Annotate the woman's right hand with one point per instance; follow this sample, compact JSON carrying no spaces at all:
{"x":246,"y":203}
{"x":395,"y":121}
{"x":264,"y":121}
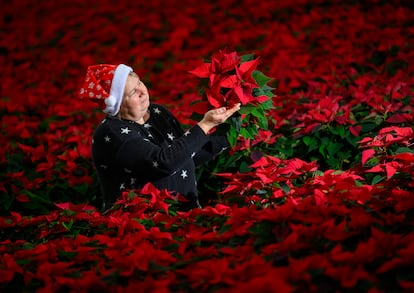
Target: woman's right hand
{"x":215,"y":117}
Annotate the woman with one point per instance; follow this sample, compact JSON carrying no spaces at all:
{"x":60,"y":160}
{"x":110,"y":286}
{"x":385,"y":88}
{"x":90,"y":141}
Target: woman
{"x":140,"y":142}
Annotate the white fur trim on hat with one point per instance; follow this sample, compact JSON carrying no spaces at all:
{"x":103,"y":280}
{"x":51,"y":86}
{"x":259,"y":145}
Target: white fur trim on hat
{"x":110,"y":101}
{"x":113,"y":102}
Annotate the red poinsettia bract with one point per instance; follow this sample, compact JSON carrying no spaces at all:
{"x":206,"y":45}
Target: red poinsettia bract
{"x":230,"y":80}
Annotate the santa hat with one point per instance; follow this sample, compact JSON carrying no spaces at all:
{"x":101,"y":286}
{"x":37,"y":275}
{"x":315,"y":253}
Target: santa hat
{"x":105,"y":82}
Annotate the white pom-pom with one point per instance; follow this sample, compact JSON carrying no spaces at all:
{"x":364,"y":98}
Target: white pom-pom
{"x":110,"y":101}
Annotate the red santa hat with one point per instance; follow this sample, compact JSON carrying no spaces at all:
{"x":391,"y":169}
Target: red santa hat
{"x":106,"y":82}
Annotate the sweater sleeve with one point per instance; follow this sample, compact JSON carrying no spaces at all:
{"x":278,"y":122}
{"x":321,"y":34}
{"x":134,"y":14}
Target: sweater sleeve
{"x":215,"y":145}
{"x":141,"y":156}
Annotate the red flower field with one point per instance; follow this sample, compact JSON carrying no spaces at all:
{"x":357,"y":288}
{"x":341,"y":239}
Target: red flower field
{"x":315,"y":195}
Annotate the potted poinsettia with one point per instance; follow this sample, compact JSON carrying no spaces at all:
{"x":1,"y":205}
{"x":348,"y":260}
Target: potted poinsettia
{"x":229,"y":79}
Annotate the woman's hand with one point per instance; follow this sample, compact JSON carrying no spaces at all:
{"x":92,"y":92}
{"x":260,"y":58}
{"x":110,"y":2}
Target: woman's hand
{"x":216,"y":117}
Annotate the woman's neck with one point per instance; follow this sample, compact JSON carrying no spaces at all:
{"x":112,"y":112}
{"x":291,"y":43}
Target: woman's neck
{"x":140,"y":120}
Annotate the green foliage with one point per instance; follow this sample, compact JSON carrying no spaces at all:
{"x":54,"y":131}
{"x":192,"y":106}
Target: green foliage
{"x":332,"y":147}
{"x":252,"y":117}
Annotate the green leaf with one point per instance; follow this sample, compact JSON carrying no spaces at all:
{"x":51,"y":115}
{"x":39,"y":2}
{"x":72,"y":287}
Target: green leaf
{"x":246,"y":57}
{"x":6,"y":200}
{"x":285,"y":188}
{"x":377,"y":179}
{"x":249,"y":132}
{"x":224,"y":229}
{"x":246,"y":109}
{"x":406,"y":100}
{"x":339,"y":130}
{"x":392,"y":67}
{"x":244,"y":167}
{"x":310,"y":141}
{"x":148,"y":223}
{"x":267,"y":104}
{"x":82,"y":189}
{"x":66,"y":255}
{"x":37,"y":200}
{"x":232,"y":136}
{"x":404,"y":150}
{"x":393,"y":51}
{"x":333,"y":147}
{"x":263,"y":123}
{"x":367,"y":127}
{"x":260,"y":78}
{"x":68,"y":225}
{"x":378,"y":58}
{"x":235,"y":121}
{"x":258,"y":112}
{"x":266,"y":91}
{"x":263,"y":233}
{"x":324,"y":142}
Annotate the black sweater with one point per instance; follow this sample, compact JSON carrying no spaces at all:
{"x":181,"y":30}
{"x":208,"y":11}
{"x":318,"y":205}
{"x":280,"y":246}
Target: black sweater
{"x":128,"y":155}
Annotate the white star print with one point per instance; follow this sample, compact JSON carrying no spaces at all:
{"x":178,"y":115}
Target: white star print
{"x":170,"y":136}
{"x":125,"y":130}
{"x":133,"y":180}
{"x":122,"y":186}
{"x":184,"y":174}
{"x":127,"y":170}
{"x":146,"y":139}
{"x":155,"y":164}
{"x":107,"y":139}
{"x":103,"y":166}
{"x":193,"y":154}
{"x":150,"y":135}
{"x":187,"y":133}
{"x":157,"y":111}
{"x":223,"y":149}
{"x":147,"y":125}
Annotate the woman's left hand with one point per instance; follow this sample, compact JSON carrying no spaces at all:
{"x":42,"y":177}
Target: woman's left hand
{"x":215,"y":117}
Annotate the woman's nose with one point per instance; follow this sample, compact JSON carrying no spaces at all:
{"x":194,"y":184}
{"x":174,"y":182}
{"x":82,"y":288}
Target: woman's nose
{"x":141,"y":94}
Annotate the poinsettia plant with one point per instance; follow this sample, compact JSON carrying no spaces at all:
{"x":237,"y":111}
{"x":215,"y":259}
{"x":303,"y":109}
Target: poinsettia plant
{"x":325,"y":203}
{"x":228,"y":79}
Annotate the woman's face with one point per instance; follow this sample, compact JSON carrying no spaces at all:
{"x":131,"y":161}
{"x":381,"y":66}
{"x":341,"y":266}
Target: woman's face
{"x":136,"y":98}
